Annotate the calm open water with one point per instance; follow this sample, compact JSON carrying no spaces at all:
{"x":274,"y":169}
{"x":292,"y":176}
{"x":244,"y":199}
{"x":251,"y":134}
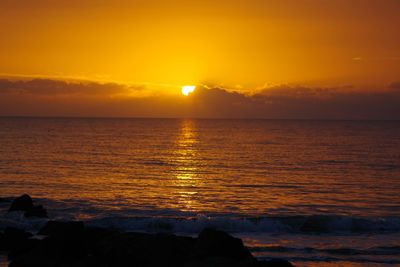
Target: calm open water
{"x":320,"y":193}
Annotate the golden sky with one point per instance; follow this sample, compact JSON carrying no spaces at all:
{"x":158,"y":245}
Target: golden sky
{"x":232,"y":42}
{"x":242,"y":45}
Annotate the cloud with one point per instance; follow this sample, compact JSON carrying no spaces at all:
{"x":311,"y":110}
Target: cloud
{"x":286,"y":91}
{"x":300,"y":102}
{"x":344,"y":102}
{"x":395,"y":85}
{"x":43,"y":97}
{"x":48,"y":87}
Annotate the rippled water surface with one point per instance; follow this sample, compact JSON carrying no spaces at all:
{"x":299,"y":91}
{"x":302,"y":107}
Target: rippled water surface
{"x":241,"y":175}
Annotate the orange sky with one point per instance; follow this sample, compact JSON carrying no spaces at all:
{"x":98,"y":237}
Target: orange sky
{"x":233,"y":42}
{"x":242,"y":45}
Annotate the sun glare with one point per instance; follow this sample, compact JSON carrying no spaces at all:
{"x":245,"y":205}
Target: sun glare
{"x":187,"y":89}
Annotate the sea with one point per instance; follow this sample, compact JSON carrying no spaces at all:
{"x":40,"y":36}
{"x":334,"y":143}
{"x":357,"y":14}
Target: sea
{"x":317,"y":193}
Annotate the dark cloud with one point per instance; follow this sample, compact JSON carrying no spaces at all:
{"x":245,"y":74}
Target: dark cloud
{"x":280,"y":102}
{"x":395,"y":85}
{"x":48,"y":87}
{"x":220,"y":103}
{"x":286,"y":91}
{"x":345,"y":102}
{"x":299,"y":102}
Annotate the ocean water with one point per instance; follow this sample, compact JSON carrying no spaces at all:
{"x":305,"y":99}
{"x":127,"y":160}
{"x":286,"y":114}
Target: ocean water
{"x":319,"y":193}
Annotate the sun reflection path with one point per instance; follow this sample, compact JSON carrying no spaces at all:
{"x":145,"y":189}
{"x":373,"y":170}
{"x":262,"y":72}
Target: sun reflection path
{"x":186,"y":175}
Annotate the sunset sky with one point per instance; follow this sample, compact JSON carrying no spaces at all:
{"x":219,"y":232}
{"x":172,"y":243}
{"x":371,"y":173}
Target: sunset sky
{"x":248,"y":58}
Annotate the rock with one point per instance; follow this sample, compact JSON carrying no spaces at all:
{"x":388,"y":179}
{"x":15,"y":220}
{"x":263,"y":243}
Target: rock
{"x":36,"y":211}
{"x":2,"y":242}
{"x":52,"y":252}
{"x":13,"y":238}
{"x":274,"y":263}
{"x":217,"y":262}
{"x":139,"y":249}
{"x":22,"y":248}
{"x":64,"y":245}
{"x":214,"y":243}
{"x":14,"y":235}
{"x":23,"y":203}
{"x":93,"y":235}
{"x":63,"y":229}
{"x":72,"y":244}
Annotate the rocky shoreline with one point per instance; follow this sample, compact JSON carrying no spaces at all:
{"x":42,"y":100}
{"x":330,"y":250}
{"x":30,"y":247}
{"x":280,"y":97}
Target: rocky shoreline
{"x":73,"y":244}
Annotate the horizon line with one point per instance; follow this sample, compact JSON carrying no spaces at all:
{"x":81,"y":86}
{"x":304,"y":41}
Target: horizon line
{"x":187,"y":118}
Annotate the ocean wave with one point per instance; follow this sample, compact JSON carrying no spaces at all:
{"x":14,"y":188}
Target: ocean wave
{"x":173,"y":221}
{"x":294,"y":224}
{"x":379,"y":250}
{"x":341,"y":261}
{"x":303,"y":225}
{"x":170,"y":221}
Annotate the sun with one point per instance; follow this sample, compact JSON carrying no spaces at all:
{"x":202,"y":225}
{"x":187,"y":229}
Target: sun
{"x":187,"y":89}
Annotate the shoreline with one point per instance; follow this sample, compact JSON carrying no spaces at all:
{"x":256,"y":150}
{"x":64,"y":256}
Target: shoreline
{"x":299,"y":245}
{"x":72,"y":243}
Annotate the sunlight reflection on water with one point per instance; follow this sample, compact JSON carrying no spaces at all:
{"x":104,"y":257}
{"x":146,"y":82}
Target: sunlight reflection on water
{"x":247,"y":167}
{"x":244,"y":176}
{"x":186,"y":165}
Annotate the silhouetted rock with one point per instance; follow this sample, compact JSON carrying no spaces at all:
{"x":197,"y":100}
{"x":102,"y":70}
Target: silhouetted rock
{"x":73,"y":244}
{"x":274,"y":263}
{"x":52,"y":252}
{"x":16,"y":241}
{"x":93,"y":235}
{"x":64,"y":245}
{"x":63,"y":229}
{"x":13,"y":236}
{"x":36,"y":211}
{"x":217,"y":262}
{"x":2,"y":242}
{"x":140,"y":249}
{"x":23,"y":203}
{"x":214,"y":243}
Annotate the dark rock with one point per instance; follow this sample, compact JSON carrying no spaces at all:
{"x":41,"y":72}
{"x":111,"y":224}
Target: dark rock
{"x":93,"y":235}
{"x":13,"y":238}
{"x":36,"y":211}
{"x":14,"y":235}
{"x":214,"y":243}
{"x":2,"y":242}
{"x":52,"y":252}
{"x":65,"y":245}
{"x":72,"y":244}
{"x":23,"y":203}
{"x":274,"y":263}
{"x":139,"y":249}
{"x":22,"y":248}
{"x":63,"y":229}
{"x":217,"y":262}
